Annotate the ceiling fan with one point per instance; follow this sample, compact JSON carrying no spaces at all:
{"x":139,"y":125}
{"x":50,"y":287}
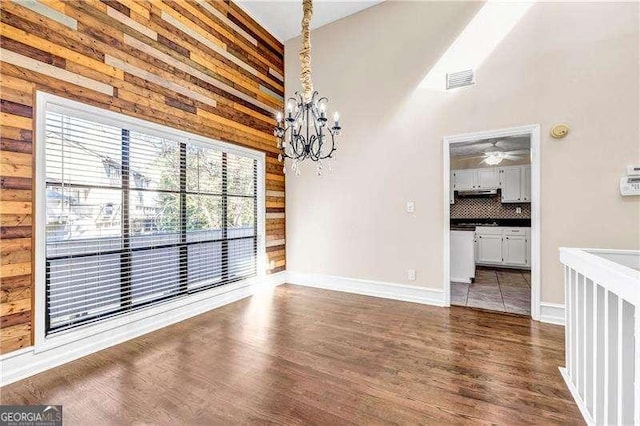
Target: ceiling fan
{"x":494,"y":155}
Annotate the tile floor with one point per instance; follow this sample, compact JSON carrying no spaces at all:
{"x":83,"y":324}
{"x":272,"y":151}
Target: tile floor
{"x":504,"y":290}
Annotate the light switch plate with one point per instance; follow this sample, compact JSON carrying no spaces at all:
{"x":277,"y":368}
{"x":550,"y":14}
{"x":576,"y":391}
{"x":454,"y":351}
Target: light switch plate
{"x":411,"y":274}
{"x":411,"y":207}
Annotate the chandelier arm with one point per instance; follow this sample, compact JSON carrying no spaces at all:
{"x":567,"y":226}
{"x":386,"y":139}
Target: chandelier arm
{"x":333,"y":148}
{"x":314,"y":112}
{"x":300,"y":142}
{"x":292,"y":98}
{"x":304,"y":154}
{"x":319,"y":138}
{"x":292,"y":151}
{"x":313,"y":155}
{"x":294,"y":101}
{"x":294,"y":144}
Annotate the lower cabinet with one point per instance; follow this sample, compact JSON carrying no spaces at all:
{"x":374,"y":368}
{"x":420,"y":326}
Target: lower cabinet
{"x":489,"y":248}
{"x":515,"y":250}
{"x":503,"y":246}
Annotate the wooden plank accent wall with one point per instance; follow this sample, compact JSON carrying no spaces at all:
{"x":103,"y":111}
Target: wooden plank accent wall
{"x":203,"y":66}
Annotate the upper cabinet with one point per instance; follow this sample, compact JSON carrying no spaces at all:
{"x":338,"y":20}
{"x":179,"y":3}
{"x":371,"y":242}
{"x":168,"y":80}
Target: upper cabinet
{"x":472,"y":179}
{"x":487,"y":178}
{"x":452,"y":184}
{"x":511,"y":184}
{"x":526,"y":184}
{"x":515,"y":182}
{"x":465,"y":180}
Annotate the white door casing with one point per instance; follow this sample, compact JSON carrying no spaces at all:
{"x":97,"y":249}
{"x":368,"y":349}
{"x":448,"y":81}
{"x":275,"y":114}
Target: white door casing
{"x":533,"y":131}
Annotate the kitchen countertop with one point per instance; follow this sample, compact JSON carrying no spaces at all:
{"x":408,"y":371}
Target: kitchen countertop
{"x":471,"y":224}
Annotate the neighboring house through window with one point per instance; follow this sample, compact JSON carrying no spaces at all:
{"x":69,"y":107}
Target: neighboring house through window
{"x":136,"y":216}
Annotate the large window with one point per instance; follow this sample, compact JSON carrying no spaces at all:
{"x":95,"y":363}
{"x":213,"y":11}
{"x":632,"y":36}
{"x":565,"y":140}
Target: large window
{"x":135,"y":217}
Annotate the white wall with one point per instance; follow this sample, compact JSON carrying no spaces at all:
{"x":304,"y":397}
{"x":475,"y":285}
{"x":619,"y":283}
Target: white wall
{"x":569,"y":62}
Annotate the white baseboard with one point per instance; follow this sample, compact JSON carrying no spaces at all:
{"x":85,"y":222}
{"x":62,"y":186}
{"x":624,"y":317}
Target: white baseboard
{"x":26,"y":362}
{"x":576,"y":396}
{"x":407,"y":293}
{"x":460,"y":280}
{"x":552,"y":313}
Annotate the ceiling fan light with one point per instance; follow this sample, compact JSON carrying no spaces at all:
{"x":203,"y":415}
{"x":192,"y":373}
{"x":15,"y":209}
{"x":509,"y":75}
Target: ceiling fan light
{"x":494,"y":158}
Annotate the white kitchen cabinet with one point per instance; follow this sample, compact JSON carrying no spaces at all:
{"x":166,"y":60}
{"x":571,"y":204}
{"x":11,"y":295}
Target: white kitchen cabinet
{"x":503,"y":246}
{"x":462,"y":264}
{"x":489,"y":248}
{"x":465,"y":180}
{"x":511,"y":184}
{"x":452,"y":183}
{"x":470,"y":179}
{"x":487,"y":178}
{"x":515,"y":250}
{"x":526,"y":184}
{"x":515,"y":182}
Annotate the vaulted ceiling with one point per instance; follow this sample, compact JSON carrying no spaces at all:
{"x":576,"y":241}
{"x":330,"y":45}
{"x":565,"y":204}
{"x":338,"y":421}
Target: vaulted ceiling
{"x":282,"y":18}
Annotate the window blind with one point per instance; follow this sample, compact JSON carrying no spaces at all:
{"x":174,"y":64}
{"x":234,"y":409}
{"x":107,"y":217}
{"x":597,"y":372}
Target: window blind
{"x":134,"y":219}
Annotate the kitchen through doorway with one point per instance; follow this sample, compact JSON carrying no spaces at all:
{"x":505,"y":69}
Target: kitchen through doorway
{"x":492,"y":220}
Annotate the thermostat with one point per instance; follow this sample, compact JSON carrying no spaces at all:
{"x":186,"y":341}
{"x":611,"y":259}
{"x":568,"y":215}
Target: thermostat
{"x":633,"y":170}
{"x":630,"y":185}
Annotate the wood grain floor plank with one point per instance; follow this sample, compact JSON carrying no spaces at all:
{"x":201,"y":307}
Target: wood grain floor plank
{"x":298,"y":355}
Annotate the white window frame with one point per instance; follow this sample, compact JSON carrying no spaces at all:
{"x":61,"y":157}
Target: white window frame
{"x":48,"y":102}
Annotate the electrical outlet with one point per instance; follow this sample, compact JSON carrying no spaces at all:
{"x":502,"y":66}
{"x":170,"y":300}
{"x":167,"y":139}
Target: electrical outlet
{"x":411,"y":274}
{"x":519,"y":210}
{"x":411,"y":207}
{"x":272,"y":264}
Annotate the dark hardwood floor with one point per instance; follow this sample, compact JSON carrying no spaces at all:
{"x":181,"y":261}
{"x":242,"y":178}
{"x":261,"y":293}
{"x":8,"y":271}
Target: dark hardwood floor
{"x":306,"y":356}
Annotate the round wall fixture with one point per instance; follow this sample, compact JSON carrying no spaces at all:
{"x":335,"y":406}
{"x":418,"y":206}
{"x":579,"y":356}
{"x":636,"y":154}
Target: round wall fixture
{"x":559,"y":131}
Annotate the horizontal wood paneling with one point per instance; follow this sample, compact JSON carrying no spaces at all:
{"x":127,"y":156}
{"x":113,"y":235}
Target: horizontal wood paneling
{"x":202,"y":66}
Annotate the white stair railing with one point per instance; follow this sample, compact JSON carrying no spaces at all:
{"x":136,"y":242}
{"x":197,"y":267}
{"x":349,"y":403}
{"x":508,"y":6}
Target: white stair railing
{"x":602,"y":333}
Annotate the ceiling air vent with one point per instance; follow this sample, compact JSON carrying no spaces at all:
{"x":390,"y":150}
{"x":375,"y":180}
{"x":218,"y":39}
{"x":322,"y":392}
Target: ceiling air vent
{"x":460,"y":79}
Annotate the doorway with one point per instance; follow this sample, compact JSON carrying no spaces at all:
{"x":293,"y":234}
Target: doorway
{"x":492,"y":234}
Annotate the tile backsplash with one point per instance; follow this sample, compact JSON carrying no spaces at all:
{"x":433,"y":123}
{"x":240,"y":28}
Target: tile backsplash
{"x":488,"y":208}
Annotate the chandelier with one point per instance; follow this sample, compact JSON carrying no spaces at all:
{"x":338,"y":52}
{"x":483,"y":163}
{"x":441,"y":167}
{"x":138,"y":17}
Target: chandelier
{"x":303,"y":132}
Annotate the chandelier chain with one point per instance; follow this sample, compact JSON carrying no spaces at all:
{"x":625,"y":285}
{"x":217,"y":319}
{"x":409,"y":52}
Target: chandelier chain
{"x":305,"y":51}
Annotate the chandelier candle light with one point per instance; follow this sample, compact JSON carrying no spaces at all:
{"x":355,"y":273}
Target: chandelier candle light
{"x":303,"y":131}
